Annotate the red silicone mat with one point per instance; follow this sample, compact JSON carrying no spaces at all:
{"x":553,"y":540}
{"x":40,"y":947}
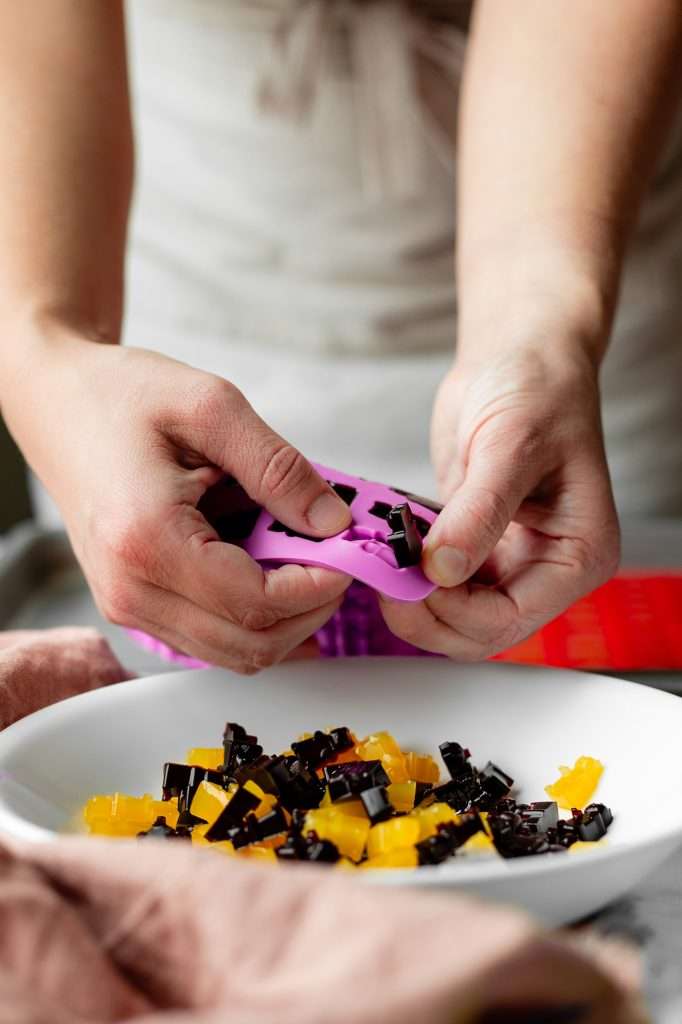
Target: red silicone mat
{"x":632,"y":622}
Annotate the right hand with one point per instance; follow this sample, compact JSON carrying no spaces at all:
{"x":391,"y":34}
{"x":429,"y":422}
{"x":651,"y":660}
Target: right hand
{"x":127,"y":442}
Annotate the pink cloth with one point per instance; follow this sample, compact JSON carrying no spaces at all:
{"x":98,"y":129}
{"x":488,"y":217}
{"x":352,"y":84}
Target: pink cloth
{"x":38,"y":668}
{"x":163,"y":933}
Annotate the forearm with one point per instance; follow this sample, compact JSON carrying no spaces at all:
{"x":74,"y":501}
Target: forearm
{"x":65,"y":174}
{"x":565,"y":106}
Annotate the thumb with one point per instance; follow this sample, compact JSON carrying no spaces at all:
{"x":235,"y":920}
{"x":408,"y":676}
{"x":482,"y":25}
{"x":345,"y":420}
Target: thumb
{"x":476,"y":516}
{"x":278,"y":477}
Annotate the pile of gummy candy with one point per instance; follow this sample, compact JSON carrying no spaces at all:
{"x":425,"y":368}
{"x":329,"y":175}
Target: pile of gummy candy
{"x":334,"y":799}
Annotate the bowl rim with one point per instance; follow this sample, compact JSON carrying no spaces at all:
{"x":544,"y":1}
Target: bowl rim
{"x":479,"y":869}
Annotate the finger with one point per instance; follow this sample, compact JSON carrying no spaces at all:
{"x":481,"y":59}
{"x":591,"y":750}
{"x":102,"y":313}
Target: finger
{"x":496,"y":482}
{"x":543,"y":588}
{"x":272,"y":471}
{"x":487,"y":620}
{"x":307,"y":651}
{"x":193,"y":631}
{"x":462,"y":624}
{"x":542,"y":577}
{"x":576,"y":549}
{"x":556,"y":974}
{"x":517,"y":547}
{"x":182,"y":554}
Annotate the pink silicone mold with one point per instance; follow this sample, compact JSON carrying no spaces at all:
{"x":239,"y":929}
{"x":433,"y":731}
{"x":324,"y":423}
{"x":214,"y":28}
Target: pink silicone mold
{"x":363,"y":550}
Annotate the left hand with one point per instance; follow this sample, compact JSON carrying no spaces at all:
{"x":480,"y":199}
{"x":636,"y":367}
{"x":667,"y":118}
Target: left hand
{"x":529,"y":524}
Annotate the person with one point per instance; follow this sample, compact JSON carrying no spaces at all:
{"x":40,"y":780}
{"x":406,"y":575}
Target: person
{"x":293,"y":237}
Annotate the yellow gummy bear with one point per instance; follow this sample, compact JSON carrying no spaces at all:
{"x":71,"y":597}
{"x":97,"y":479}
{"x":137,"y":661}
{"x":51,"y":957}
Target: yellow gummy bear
{"x":374,"y":746}
{"x":584,"y":847}
{"x":429,"y":818}
{"x":405,"y":857}
{"x":392,"y":835}
{"x":256,"y":852}
{"x":352,"y":807}
{"x":209,"y":801}
{"x":206,"y":757}
{"x":395,"y":767}
{"x":225,"y":847}
{"x":381,"y":746}
{"x":402,"y":795}
{"x":118,"y":814}
{"x":576,"y":786}
{"x":199,"y":835}
{"x":267,"y":800}
{"x":167,"y":809}
{"x":422,"y":768}
{"x":343,"y":863}
{"x":348,"y":833}
{"x":478,"y":844}
{"x":199,"y":839}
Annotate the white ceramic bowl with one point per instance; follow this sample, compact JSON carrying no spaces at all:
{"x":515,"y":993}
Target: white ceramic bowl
{"x":526,"y":720}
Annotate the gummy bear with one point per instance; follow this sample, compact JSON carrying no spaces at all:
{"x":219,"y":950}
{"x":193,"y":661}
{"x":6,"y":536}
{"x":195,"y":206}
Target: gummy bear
{"x":206,"y":757}
{"x":575,"y":787}
{"x":421,"y":768}
{"x":349,"y":834}
{"x":429,"y":818}
{"x":392,"y":835}
{"x":402,"y":795}
{"x":404,"y":857}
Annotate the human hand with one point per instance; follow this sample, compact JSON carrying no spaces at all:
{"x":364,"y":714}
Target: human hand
{"x":128,"y":442}
{"x":529,"y":524}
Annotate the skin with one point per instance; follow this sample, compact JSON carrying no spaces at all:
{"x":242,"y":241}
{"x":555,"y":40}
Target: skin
{"x":529,"y":524}
{"x":516,"y":432}
{"x":162,"y":432}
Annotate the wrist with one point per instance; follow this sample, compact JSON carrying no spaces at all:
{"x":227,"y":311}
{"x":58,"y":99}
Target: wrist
{"x":537,"y":295}
{"x":32,"y":348}
{"x":562,"y":373}
{"x":39,"y":369}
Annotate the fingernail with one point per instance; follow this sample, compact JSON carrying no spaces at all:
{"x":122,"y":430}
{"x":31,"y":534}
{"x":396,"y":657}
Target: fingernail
{"x":329,"y":514}
{"x":446,"y":567}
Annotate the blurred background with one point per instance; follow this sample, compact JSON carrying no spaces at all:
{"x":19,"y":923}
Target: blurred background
{"x":15,"y":504}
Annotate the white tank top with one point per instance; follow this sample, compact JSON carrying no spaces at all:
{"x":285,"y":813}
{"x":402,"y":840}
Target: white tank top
{"x":293,"y":230}
{"x":298,"y":193}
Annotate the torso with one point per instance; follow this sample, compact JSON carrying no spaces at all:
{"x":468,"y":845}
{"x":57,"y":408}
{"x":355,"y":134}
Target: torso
{"x":309,"y":257}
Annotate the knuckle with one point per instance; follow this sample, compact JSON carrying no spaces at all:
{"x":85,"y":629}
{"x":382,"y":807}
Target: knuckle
{"x":487,"y":514}
{"x":471,"y":655}
{"x":500,"y":634}
{"x":408,"y":632}
{"x":531,"y":441}
{"x":255,"y":618}
{"x":506,"y":635}
{"x":285,"y":471}
{"x":463,"y":650}
{"x":207,"y":403}
{"x":244,"y":667}
{"x":584,"y":554}
{"x":491,"y":510}
{"x":404,"y":626}
{"x":264,"y":654}
{"x":606,"y":556}
{"x":301,"y":587}
{"x":117,"y":603}
{"x":490,"y":638}
{"x":128,"y":544}
{"x":596,"y":555}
